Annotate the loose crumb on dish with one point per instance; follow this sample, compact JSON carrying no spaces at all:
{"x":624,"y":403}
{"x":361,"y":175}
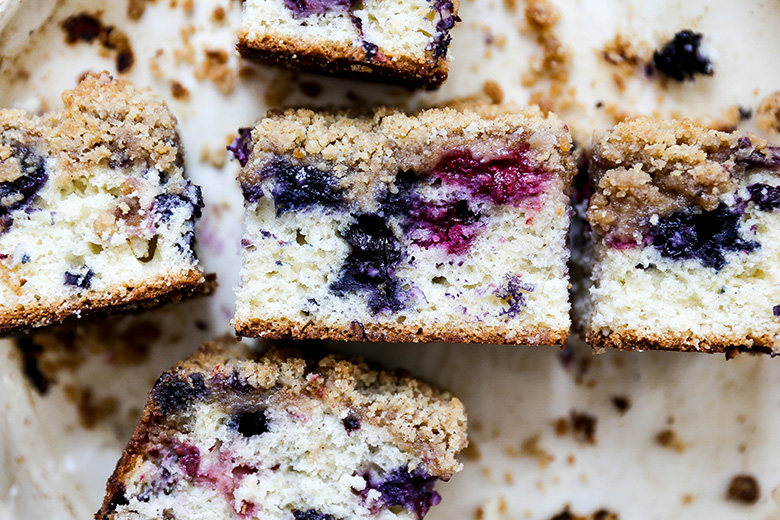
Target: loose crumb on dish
{"x":743,"y":489}
{"x":622,"y":403}
{"x":669,"y":439}
{"x":768,"y":113}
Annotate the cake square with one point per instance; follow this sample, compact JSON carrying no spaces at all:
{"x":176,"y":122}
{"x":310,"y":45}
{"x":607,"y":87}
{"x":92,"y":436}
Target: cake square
{"x":398,"y":42}
{"x":445,"y":225}
{"x":95,"y":210}
{"x":686,"y":238}
{"x":232,"y":434}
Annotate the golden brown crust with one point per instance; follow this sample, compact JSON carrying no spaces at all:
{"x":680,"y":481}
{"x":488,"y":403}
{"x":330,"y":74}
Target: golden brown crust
{"x":152,"y":293}
{"x":357,"y":331}
{"x":422,"y":418}
{"x":349,"y":62}
{"x":624,"y":339}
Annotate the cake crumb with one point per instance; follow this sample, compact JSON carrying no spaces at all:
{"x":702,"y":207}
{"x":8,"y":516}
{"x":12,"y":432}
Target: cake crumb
{"x":87,"y":28}
{"x":622,"y":403}
{"x":601,"y":514}
{"x":215,"y":68}
{"x":91,"y":410}
{"x":471,"y":452}
{"x":216,"y":157}
{"x":218,"y":14}
{"x":768,"y":113}
{"x":531,"y":448}
{"x":493,"y":90}
{"x":687,"y":499}
{"x":744,"y":489}
{"x":580,"y":424}
{"x":179,"y":91}
{"x":584,"y":427}
{"x":669,"y":439}
{"x":135,"y":9}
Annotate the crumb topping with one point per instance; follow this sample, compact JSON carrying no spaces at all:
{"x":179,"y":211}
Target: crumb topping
{"x":645,"y":169}
{"x":427,"y":421}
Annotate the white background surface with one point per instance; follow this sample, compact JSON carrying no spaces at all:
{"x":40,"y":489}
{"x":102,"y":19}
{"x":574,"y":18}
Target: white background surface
{"x":727,"y":414}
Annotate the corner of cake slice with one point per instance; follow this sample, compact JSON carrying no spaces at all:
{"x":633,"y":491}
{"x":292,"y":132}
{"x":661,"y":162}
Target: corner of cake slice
{"x":95,"y":211}
{"x":230,"y":434}
{"x":398,"y":42}
{"x":445,"y":225}
{"x":686,"y":225}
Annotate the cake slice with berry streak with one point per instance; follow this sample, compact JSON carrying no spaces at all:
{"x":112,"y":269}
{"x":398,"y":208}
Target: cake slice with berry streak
{"x":445,"y":225}
{"x":232,"y":434}
{"x":400,"y":42}
{"x":95,"y":210}
{"x":686,"y":228}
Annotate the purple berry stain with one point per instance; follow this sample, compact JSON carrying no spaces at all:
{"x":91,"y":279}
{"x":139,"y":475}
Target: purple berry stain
{"x":702,"y":236}
{"x":188,"y":459}
{"x":512,"y":179}
{"x":451,"y":225}
{"x":241,"y":146}
{"x":414,"y":491}
{"x":681,"y":57}
{"x":513,"y":292}
{"x":370,"y":265}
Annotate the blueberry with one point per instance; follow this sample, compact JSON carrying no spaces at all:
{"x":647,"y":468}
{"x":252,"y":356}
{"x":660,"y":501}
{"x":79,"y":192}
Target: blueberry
{"x":681,"y":58}
{"x":513,"y":292}
{"x":19,"y":193}
{"x":370,"y":265}
{"x":776,"y":310}
{"x":304,"y":8}
{"x":705,"y":236}
{"x":351,"y":423}
{"x":311,"y":514}
{"x":414,"y":491}
{"x":300,"y":187}
{"x":250,"y":424}
{"x":166,"y":203}
{"x":766,"y":197}
{"x":173,"y":392}
{"x":241,"y":147}
{"x":82,"y":278}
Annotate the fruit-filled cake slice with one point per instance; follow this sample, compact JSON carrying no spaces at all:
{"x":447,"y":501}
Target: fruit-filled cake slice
{"x":400,"y":42}
{"x":446,"y":225}
{"x":686,"y":226}
{"x":95,"y":211}
{"x":230,"y":434}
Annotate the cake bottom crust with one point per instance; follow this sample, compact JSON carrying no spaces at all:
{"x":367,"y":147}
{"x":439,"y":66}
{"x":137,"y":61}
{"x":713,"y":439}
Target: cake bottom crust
{"x":398,"y":333}
{"x":625,"y":339}
{"x":161,"y":290}
{"x":344,"y":62}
